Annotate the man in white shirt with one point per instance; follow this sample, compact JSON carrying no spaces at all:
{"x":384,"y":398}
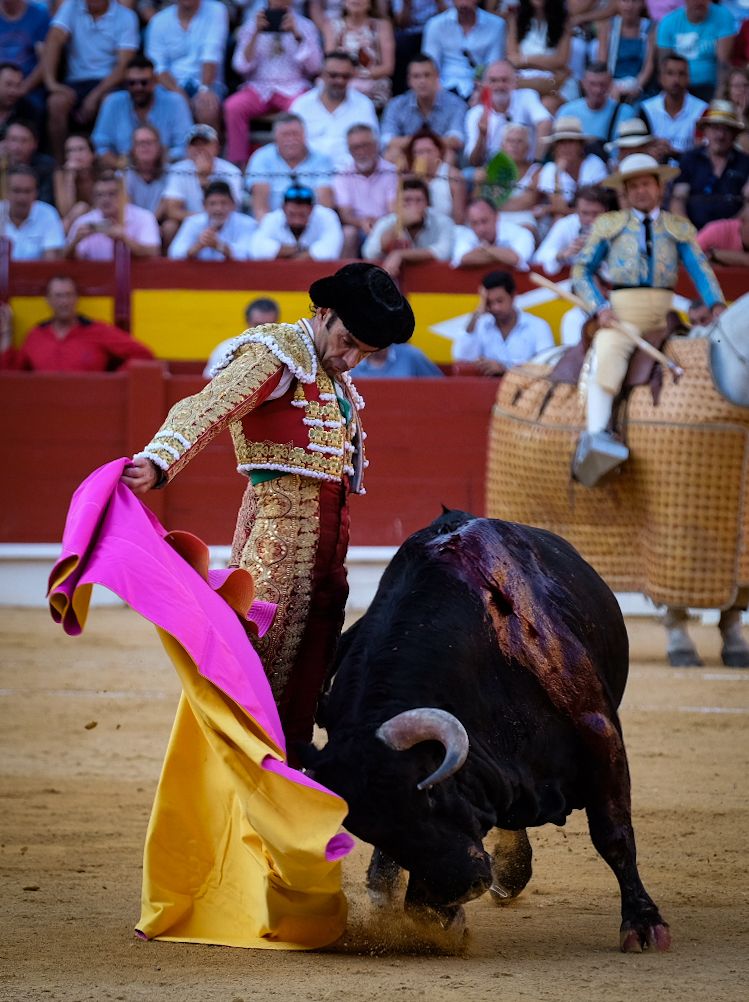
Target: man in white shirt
{"x":187,"y":44}
{"x":486,"y":122}
{"x":418,"y":234}
{"x":287,"y":160}
{"x":299,"y":231}
{"x":188,"y":179}
{"x":460,"y":40}
{"x":673,"y":114}
{"x":566,"y":238}
{"x":499,"y":336}
{"x":217,"y":234}
{"x":488,"y":239}
{"x":34,"y":228}
{"x":331,"y":108}
{"x":99,"y":38}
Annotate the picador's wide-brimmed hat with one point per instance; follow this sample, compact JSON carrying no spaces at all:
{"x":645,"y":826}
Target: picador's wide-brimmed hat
{"x":568,"y":127}
{"x":368,"y":302}
{"x":722,"y":113}
{"x":630,"y":135}
{"x":639,"y":165}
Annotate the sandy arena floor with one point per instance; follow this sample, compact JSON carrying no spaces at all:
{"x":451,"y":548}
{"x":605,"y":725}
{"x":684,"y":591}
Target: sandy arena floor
{"x":84,"y":725}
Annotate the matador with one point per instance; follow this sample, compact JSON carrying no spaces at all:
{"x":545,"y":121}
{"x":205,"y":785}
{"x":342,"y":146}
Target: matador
{"x":284,"y":393}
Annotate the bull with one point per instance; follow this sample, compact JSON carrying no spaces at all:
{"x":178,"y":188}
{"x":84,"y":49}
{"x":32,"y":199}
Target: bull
{"x":480,"y":691}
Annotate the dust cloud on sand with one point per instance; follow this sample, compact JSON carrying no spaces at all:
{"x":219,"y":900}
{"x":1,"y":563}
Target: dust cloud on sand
{"x":75,"y":800}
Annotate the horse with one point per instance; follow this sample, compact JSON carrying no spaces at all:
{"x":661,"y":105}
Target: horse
{"x":672,"y":521}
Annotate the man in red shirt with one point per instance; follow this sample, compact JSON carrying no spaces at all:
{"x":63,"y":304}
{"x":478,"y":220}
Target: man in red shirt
{"x":68,"y":342}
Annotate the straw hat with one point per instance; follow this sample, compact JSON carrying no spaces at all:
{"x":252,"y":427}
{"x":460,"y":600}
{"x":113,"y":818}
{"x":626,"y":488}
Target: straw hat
{"x":568,"y":127}
{"x":722,"y":113}
{"x":639,"y":165}
{"x":630,"y":135}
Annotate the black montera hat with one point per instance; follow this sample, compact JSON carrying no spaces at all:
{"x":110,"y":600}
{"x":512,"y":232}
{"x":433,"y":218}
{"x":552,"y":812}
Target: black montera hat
{"x":369,"y":303}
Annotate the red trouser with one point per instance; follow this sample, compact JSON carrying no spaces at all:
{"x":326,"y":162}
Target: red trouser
{"x":292,"y":535}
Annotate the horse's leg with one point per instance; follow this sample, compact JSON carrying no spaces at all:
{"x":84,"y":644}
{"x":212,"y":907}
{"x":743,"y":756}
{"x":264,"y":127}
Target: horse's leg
{"x":735,"y":651}
{"x":680,"y":649}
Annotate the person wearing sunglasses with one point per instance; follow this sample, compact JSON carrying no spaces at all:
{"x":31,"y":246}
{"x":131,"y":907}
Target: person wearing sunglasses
{"x":144,"y":101}
{"x":330,"y":109}
{"x":299,"y":230}
{"x":284,"y":393}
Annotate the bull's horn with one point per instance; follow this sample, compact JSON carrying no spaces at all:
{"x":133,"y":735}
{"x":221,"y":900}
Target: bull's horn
{"x":427,"y":723}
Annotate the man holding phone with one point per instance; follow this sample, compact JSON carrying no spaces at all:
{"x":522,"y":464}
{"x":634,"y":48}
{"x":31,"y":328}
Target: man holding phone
{"x":278,"y":53}
{"x":92,"y":235}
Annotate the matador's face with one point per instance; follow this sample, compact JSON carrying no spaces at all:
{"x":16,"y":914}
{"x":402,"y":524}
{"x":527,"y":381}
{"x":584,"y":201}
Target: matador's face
{"x":337,"y":348}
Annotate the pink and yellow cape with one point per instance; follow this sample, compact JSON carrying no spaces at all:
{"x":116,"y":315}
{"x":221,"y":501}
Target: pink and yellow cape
{"x":241,"y":849}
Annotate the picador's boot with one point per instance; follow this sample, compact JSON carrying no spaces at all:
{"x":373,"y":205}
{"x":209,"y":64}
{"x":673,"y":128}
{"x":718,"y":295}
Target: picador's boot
{"x":735,"y":650}
{"x":598,"y":452}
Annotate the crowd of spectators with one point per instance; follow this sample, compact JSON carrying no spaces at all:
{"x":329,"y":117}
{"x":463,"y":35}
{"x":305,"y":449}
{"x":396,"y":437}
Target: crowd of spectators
{"x":474,"y":132}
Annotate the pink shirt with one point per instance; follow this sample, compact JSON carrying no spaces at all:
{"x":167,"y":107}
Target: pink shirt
{"x":279,"y":64}
{"x":140,"y":225}
{"x":722,"y":234}
{"x":657,"y":9}
{"x":370,"y":197}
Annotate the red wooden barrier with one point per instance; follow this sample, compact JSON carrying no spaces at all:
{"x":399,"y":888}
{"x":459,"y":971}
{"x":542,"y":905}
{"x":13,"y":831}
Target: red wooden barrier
{"x":426,"y":444}
{"x":98,"y":278}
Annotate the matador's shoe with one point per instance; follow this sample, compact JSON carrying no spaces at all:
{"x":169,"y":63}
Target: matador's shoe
{"x":597,"y":454}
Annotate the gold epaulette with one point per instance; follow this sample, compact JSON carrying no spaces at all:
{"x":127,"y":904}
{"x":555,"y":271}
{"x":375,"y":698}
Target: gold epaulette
{"x":290,"y":343}
{"x":678,"y":227}
{"x":608,"y":225}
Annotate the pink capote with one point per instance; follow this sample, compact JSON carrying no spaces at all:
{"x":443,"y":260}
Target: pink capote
{"x":112,"y":539}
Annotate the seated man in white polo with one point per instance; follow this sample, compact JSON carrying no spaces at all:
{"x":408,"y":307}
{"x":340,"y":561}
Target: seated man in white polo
{"x":219,"y":233}
{"x":498,"y":335}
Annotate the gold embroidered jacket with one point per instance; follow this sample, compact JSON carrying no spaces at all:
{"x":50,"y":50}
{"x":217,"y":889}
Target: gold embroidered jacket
{"x":301,"y":431}
{"x":615,"y":239}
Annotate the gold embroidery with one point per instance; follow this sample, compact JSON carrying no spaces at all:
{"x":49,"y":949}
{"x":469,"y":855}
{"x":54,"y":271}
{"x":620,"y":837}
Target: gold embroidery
{"x":282,"y":340}
{"x":333,"y":436}
{"x":280,"y":554}
{"x":195,"y":421}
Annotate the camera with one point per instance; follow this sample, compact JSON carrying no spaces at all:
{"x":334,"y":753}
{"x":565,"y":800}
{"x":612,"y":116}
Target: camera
{"x":274,"y":18}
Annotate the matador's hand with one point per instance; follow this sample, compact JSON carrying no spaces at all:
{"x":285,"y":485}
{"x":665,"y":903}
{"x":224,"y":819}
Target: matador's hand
{"x":140,"y":476}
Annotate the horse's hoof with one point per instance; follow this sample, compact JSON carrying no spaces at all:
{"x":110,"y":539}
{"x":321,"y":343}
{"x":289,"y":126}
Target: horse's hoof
{"x":735,"y":658}
{"x":684,"y":658}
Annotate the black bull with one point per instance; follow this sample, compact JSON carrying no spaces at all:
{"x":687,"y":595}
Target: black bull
{"x":508,"y":630}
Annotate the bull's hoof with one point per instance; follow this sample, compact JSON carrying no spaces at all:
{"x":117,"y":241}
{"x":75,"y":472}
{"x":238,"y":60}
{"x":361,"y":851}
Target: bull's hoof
{"x":735,"y":657}
{"x":511,"y":865}
{"x":636,"y":939}
{"x":450,"y":920}
{"x":383,"y":880}
{"x":684,"y":657}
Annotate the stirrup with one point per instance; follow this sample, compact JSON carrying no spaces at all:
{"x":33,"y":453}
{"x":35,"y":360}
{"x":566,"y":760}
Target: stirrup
{"x":597,"y":454}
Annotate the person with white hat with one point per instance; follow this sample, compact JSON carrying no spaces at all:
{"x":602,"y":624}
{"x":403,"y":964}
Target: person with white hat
{"x":642,"y":248}
{"x":632,"y":136}
{"x":570,"y":166}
